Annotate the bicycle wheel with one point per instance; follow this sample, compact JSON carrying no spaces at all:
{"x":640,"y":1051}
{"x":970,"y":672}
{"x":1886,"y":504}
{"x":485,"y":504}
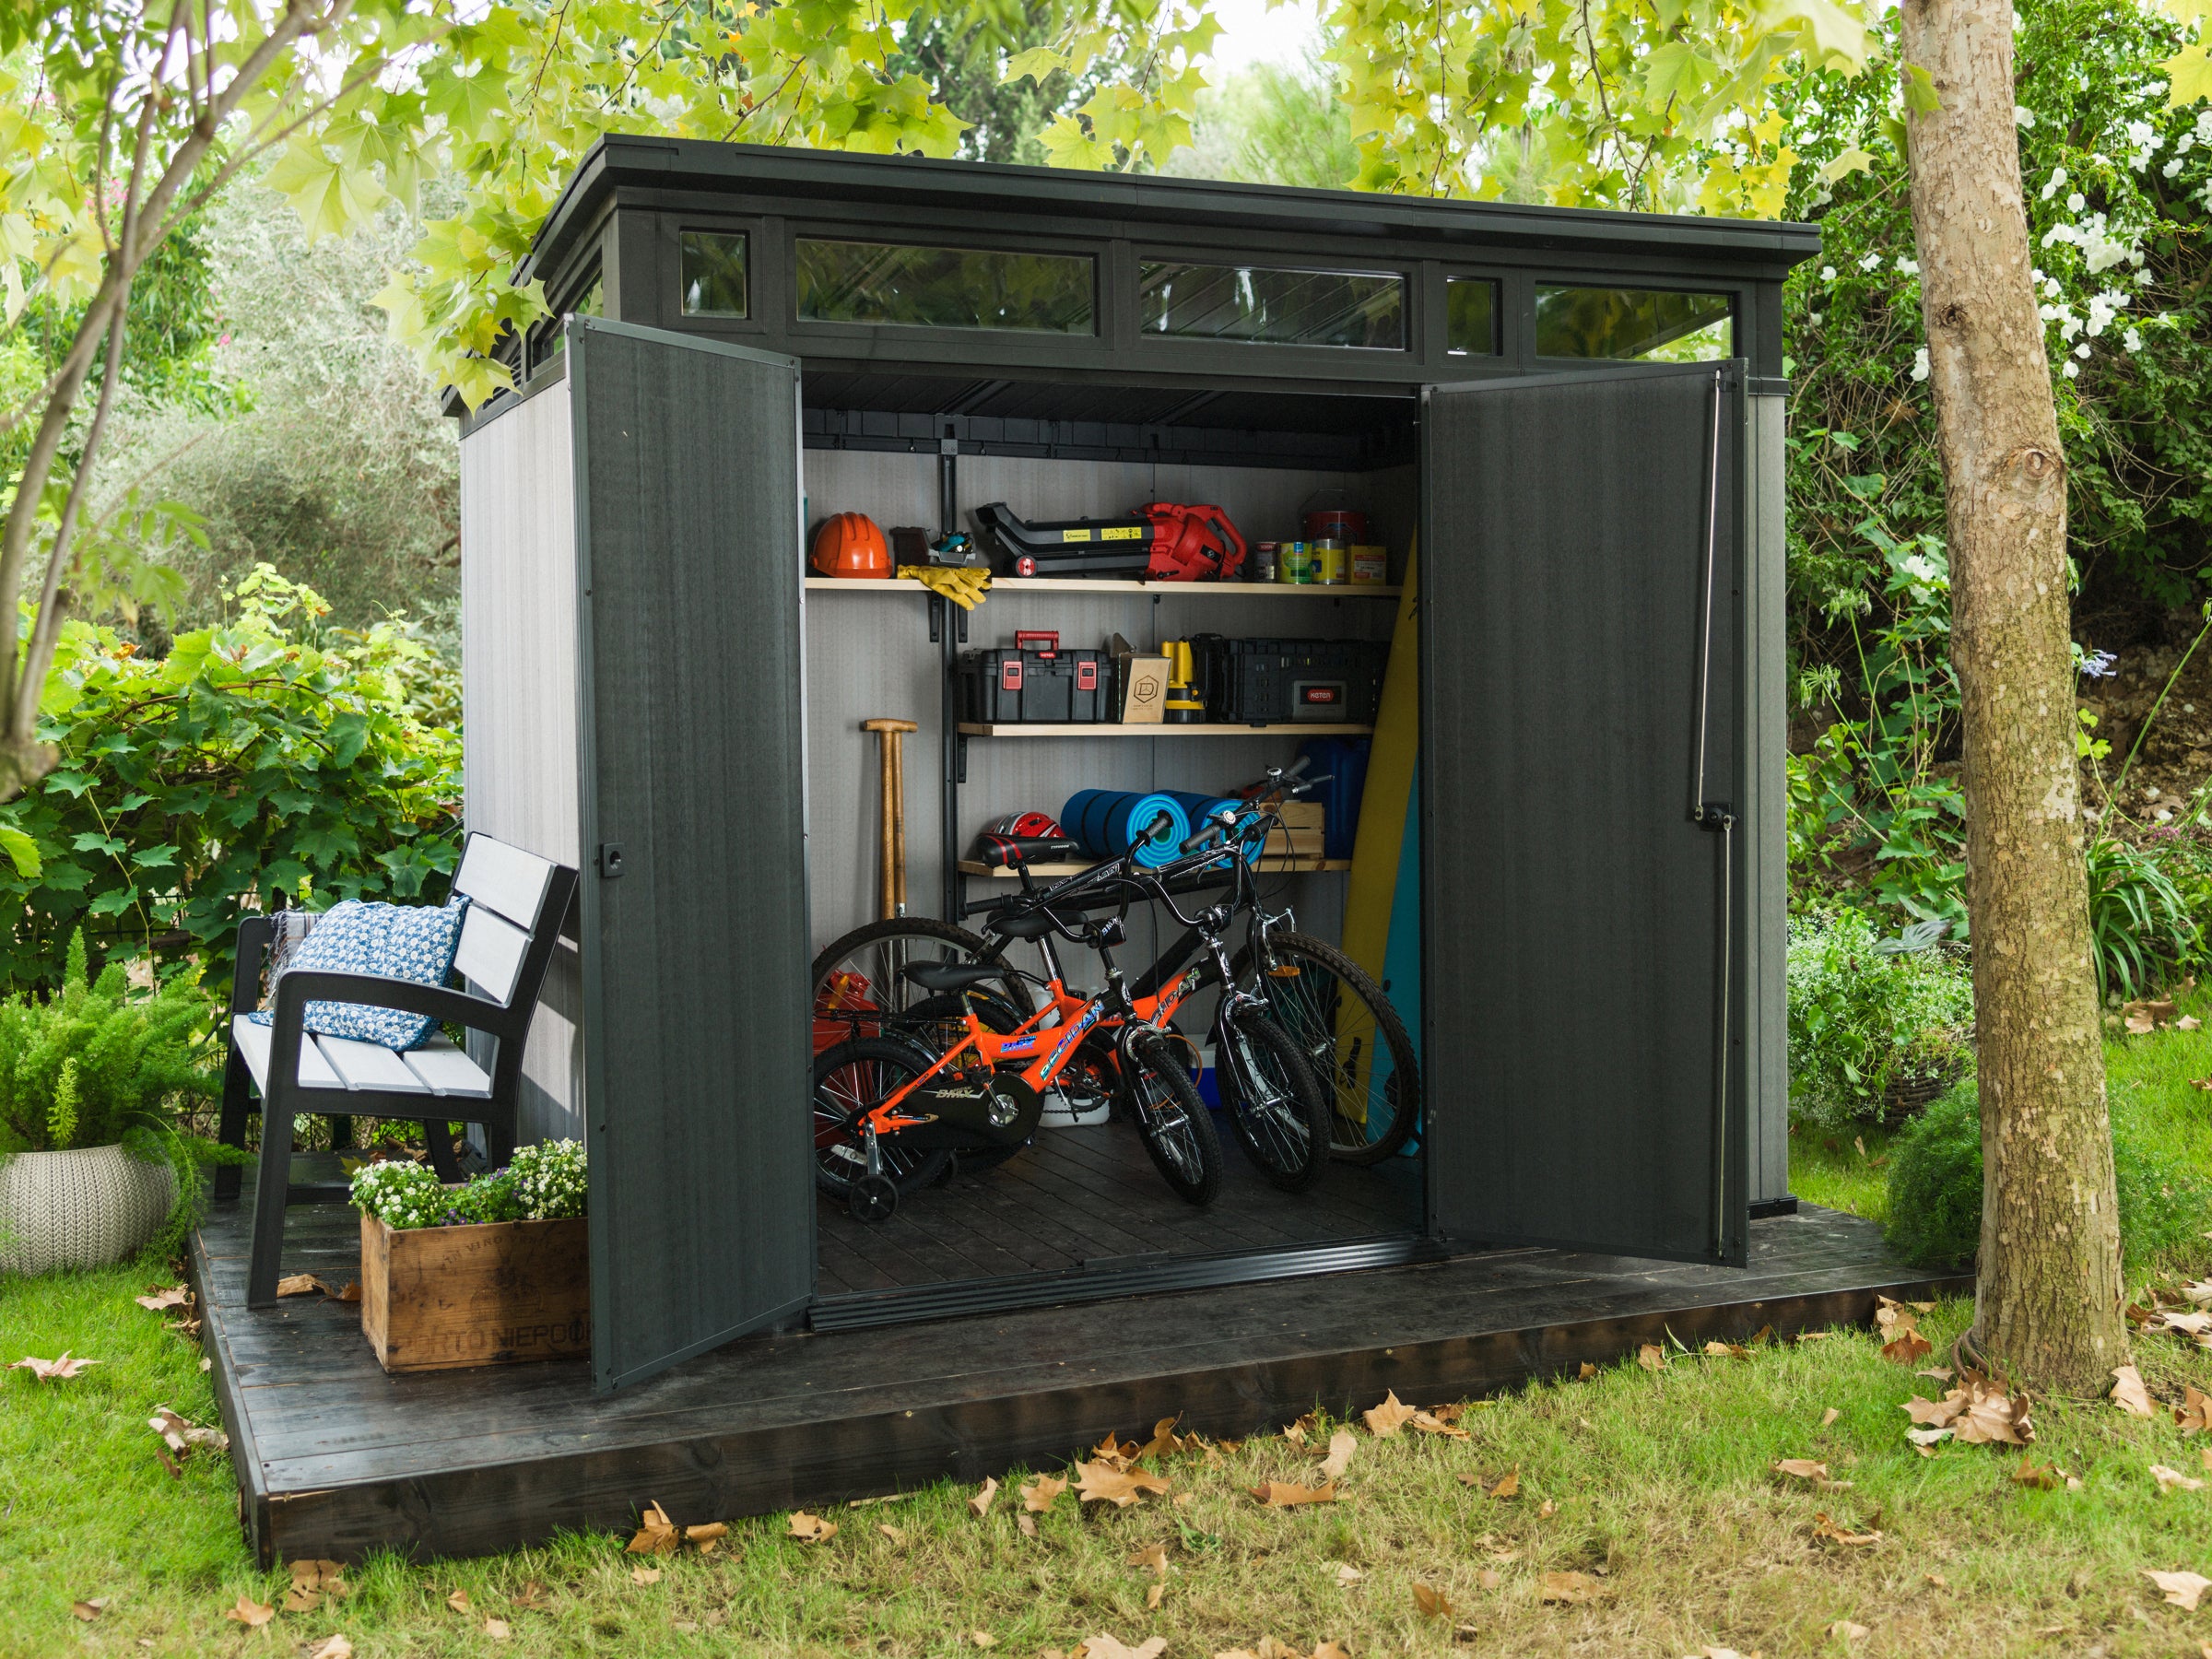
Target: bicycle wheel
{"x":1276,"y":1108}
{"x":860,"y":983}
{"x":1177,"y":1132}
{"x":1350,"y":1036}
{"x":857,"y":1076}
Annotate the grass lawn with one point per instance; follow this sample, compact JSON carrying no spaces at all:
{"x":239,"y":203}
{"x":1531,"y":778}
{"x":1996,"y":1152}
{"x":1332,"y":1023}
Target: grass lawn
{"x":1659,"y":1486}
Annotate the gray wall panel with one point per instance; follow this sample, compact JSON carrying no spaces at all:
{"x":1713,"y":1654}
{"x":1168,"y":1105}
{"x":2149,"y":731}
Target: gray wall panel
{"x":694,"y":958}
{"x":1571,"y":999}
{"x":518,"y":695}
{"x":1766,"y":796}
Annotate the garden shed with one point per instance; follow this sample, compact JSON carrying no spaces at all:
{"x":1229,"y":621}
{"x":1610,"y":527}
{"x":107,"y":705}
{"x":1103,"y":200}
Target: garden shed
{"x":1570,"y":421}
{"x":1563,"y":428}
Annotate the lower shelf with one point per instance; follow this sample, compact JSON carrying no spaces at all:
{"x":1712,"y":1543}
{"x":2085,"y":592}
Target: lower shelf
{"x":1278,"y":864}
{"x":1109,"y":728}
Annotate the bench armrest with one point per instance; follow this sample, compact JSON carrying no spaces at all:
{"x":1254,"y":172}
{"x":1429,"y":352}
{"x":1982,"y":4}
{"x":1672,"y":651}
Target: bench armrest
{"x":299,"y":987}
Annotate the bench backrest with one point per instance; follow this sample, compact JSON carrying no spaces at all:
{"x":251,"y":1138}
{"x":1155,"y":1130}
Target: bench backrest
{"x":507,"y":890}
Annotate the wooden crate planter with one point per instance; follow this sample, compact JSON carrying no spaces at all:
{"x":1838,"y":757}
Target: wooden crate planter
{"x":441,"y":1298}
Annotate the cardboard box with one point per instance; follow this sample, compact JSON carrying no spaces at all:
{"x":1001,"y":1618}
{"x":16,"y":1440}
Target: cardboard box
{"x":1143,"y":678}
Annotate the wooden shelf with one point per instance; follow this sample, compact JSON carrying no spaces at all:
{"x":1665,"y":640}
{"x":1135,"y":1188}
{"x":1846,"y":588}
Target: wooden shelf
{"x":1107,"y":728}
{"x":1273,"y":864}
{"x":1071,"y":584}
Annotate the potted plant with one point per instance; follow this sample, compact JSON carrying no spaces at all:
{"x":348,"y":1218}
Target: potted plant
{"x":94,"y":1082}
{"x":489,"y":1273}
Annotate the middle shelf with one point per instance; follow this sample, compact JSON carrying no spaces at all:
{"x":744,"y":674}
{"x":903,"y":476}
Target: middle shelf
{"x":1108,"y":728}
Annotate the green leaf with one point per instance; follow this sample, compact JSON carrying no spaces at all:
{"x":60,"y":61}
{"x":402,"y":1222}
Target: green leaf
{"x":2188,"y":76}
{"x":114,"y":902}
{"x":162,"y":857}
{"x":1921,"y":97}
{"x":22,"y":852}
{"x":329,"y":196}
{"x":92,"y":840}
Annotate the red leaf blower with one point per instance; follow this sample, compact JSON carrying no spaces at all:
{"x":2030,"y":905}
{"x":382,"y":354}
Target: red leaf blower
{"x":1162,"y":541}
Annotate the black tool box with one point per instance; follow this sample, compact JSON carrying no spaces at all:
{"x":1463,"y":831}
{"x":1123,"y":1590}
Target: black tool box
{"x":1259,"y":682}
{"x":1036,"y":680}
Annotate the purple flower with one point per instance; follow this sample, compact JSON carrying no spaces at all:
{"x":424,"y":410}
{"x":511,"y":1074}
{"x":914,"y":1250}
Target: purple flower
{"x":2098,"y":664}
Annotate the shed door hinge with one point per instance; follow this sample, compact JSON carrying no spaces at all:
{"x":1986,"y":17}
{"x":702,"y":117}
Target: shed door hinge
{"x":610,"y":860}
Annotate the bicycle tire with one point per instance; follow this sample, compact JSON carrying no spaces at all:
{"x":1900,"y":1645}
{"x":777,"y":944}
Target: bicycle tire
{"x":1171,"y":1120}
{"x":1275,"y":1107}
{"x":837,"y":1157}
{"x":876,"y":954}
{"x":945,"y":1011}
{"x":1370,"y":1117}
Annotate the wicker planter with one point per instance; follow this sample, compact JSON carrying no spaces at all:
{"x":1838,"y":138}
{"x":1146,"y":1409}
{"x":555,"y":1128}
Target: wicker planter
{"x":84,"y":1209}
{"x":444,"y":1297}
{"x":1908,"y":1097}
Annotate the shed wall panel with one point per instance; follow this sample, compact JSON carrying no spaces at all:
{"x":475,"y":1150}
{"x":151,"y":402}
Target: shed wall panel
{"x":1766,"y":796}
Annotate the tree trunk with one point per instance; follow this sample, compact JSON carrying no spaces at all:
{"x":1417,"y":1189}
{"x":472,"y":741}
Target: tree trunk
{"x":2049,"y":1306}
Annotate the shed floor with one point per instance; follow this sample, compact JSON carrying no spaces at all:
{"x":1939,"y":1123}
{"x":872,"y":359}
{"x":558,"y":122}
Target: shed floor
{"x":335,"y":1459}
{"x":1084,"y":1198}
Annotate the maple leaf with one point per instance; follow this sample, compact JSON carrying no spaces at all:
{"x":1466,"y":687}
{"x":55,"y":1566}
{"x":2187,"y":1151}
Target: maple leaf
{"x":1349,"y":1574}
{"x":2129,"y":1394}
{"x":2169,"y":1479}
{"x":706,"y":1532}
{"x":2180,"y":1588}
{"x":1726,"y":1350}
{"x":811,"y":1529}
{"x":52,"y":1371}
{"x":979,"y":1505}
{"x":983,"y":1638}
{"x":170,"y":1296}
{"x":1027,"y":1523}
{"x":1428,"y":1422}
{"x":250,"y":1613}
{"x":1829,"y":1415}
{"x":532,"y":1598}
{"x":2044,"y":1477}
{"x":1163,"y":1441}
{"x":1825,"y":1528}
{"x":1908,"y":1348}
{"x":1281,"y":1494}
{"x":1103,"y":1483}
{"x":894,"y":1534}
{"x":1112,"y":1647}
{"x":89,"y":1611}
{"x":1568,"y":1587}
{"x":182,"y":1434}
{"x":1114,"y":1450}
{"x":1585,"y":1371}
{"x":1342,"y":1444}
{"x":1803,"y":1468}
{"x":497,"y":1630}
{"x":336,"y":1647}
{"x":1844,"y":1629}
{"x":656,"y":1534}
{"x":1433,"y":1603}
{"x":2195,"y":1412}
{"x":1042,"y":1492}
{"x":644,"y":1575}
{"x":1507,"y":1485}
{"x":458,"y":1601}
{"x":1651,"y":1356}
{"x":298,"y":1284}
{"x":1153,"y":1558}
{"x":1388,"y":1418}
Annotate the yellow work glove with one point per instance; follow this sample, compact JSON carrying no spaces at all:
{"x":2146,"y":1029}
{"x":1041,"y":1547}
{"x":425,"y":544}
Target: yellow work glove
{"x":964,"y":585}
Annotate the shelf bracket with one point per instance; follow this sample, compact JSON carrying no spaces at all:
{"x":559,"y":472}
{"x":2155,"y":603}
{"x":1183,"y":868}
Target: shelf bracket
{"x":937,"y":618}
{"x":960,"y":758}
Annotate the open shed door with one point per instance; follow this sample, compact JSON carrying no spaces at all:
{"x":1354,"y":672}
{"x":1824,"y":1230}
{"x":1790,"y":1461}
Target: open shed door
{"x":1582,"y":725}
{"x":693,"y":833}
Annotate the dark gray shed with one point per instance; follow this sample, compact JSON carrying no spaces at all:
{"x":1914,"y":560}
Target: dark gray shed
{"x":1577,"y":416}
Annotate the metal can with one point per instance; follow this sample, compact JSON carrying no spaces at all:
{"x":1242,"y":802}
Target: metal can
{"x":1260,"y":563}
{"x":1294,"y":564}
{"x":1329,"y":568}
{"x":1370,"y":566}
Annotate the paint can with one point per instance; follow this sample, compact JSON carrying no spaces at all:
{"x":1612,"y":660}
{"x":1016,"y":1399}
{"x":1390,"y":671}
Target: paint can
{"x":1294,"y":564}
{"x":1370,"y":566}
{"x":1261,"y":565}
{"x":1329,"y":568}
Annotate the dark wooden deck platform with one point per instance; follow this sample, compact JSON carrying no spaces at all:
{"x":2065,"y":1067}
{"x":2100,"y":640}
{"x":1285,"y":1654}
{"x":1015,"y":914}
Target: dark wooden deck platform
{"x":335,"y":1459}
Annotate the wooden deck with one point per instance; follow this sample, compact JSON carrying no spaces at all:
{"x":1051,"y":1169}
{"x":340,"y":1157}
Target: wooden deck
{"x":335,"y":1459}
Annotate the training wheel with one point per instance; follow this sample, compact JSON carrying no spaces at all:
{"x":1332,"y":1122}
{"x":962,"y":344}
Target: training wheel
{"x":872,"y":1198}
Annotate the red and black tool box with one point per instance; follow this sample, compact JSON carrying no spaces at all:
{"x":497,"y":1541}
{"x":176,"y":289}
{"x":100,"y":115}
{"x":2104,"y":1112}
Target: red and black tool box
{"x":1036,"y":680}
{"x":1162,"y":541}
{"x":1266,"y":681}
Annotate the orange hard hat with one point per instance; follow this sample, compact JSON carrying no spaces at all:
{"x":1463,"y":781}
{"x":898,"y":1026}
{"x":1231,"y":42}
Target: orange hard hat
{"x":851,"y":543}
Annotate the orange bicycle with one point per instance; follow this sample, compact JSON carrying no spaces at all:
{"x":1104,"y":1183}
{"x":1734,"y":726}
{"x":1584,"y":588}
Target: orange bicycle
{"x":888,"y":1113}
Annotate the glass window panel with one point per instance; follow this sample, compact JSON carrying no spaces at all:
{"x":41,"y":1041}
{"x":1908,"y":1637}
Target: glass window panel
{"x":1253,"y":303}
{"x":1471,"y":316}
{"x":945,"y":287}
{"x":711,"y":269}
{"x":1637,"y":325}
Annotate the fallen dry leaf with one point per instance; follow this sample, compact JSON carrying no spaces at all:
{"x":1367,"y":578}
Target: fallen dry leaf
{"x":2129,"y":1394}
{"x":1844,"y":1629}
{"x":1114,"y":1450}
{"x":1349,"y":1574}
{"x":181,"y":1434}
{"x":1101,"y":1483}
{"x":1489,"y":1578}
{"x":979,"y":1504}
{"x":1829,"y":1415}
{"x":336,"y":1647}
{"x":52,"y":1371}
{"x":1507,"y":1485}
{"x":298,"y":1284}
{"x":166,"y":1296}
{"x":1152,"y":1559}
{"x":894,"y":1534}
{"x":1726,"y":1350}
{"x":1568,"y":1587}
{"x":1152,"y":1596}
{"x":2169,"y":1479}
{"x":458,"y":1601}
{"x":1429,"y":1422}
{"x":1110,"y":1647}
{"x":1802,"y":1468}
{"x":325,"y":1576}
{"x":1342,"y":1444}
{"x":1813,"y":1336}
{"x":2044,"y":1477}
{"x":1942,"y":1374}
{"x":1027,"y":1523}
{"x":2195,"y":1412}
{"x":1585,"y":1372}
{"x":1825,"y":1528}
{"x":1281,"y":1494}
{"x":706,"y":1532}
{"x":1433,"y":1603}
{"x":531,"y":1597}
{"x":250,"y":1613}
{"x":497,"y":1630}
{"x":1651,"y":1356}
{"x":644,"y":1575}
{"x":1909,"y":1347}
{"x":1041,"y":1492}
{"x":811,"y":1529}
{"x":1389,"y":1417}
{"x":89,"y":1611}
{"x":2188,"y":1022}
{"x":301,"y":1601}
{"x":983,"y":1638}
{"x":1546,"y":1509}
{"x":2180,"y":1588}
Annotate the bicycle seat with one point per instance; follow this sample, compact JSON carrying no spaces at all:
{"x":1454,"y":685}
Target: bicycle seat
{"x":1022,"y":924}
{"x":1006,"y":852}
{"x":952,"y":976}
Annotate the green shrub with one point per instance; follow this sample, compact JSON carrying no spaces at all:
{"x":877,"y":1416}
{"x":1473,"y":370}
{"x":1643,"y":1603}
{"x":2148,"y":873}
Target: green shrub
{"x":258,"y":757}
{"x":1936,"y":1184}
{"x":1864,"y":1014}
{"x":2140,"y":927}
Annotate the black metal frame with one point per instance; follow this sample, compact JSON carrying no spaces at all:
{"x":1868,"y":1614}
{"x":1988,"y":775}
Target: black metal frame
{"x":285,"y":1097}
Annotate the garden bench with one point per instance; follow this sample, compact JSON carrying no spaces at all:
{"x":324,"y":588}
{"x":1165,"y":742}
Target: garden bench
{"x":517,"y":904}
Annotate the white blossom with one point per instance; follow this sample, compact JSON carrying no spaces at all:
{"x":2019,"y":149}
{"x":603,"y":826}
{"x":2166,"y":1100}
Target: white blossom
{"x":1869,"y":263}
{"x":2072,"y":370}
{"x":2077,"y":202}
{"x":2172,"y":166}
{"x":2132,"y":339}
{"x":1828,"y":273}
{"x":2022,"y":116}
{"x":2204,"y":126}
{"x":1920,"y":364}
{"x":2082,"y":351}
{"x":2058,"y":177}
{"x":1907,"y":267}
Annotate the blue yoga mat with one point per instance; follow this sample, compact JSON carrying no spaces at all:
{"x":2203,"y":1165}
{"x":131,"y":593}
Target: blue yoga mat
{"x":1200,"y":807}
{"x":1108,"y":822}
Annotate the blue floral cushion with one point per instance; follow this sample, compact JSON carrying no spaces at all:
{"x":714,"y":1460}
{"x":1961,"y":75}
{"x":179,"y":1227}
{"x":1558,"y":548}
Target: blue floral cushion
{"x":398,"y":941}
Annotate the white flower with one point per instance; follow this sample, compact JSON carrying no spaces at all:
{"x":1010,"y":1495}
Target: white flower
{"x":2022,"y":116}
{"x":2073,"y":371}
{"x":2188,"y":143}
{"x":2082,"y":351}
{"x":1920,"y":364}
{"x":1828,"y":273}
{"x":2142,"y":134}
{"x":2077,"y":202}
{"x":2132,"y":339}
{"x":2051,"y":286}
{"x":2204,"y":126}
{"x":2069,"y":325}
{"x":1869,"y":263}
{"x":2049,"y":313}
{"x":2173,"y":166}
{"x":1814,"y":316}
{"x":2058,"y":177}
{"x":1907,"y":267}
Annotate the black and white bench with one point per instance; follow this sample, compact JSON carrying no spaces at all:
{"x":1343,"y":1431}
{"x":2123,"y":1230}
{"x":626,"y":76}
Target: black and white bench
{"x":517,"y":903}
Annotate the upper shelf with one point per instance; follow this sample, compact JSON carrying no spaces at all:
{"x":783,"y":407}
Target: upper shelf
{"x":1109,"y":728}
{"x":1073,"y":584}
